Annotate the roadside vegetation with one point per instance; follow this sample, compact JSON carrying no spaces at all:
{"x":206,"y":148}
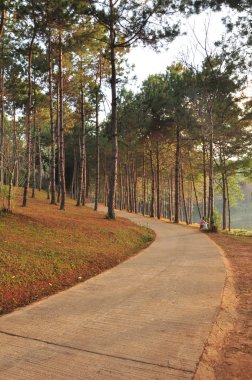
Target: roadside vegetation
{"x":43,"y":251}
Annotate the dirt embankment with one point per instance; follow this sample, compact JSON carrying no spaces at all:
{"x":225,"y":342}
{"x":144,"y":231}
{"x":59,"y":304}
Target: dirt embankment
{"x":228,"y":352}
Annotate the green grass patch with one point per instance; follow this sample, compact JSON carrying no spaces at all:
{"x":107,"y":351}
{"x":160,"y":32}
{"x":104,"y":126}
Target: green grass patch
{"x":238,"y":232}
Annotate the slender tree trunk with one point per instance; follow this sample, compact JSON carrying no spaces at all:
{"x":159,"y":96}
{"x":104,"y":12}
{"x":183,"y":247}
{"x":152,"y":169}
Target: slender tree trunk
{"x":183,"y":194}
{"x":58,"y":141}
{"x":171,"y":197}
{"x":15,"y":147}
{"x":224,"y":202}
{"x":53,"y":164}
{"x":97,"y":156}
{"x":177,"y":179}
{"x":114,"y":159}
{"x":211,"y":194}
{"x":204,"y":180}
{"x":144,"y":184}
{"x":158,"y":181}
{"x":82,"y":153}
{"x":3,"y":20}
{"x":228,"y":202}
{"x":2,"y":132}
{"x":29,"y":110}
{"x":61,"y":125}
{"x":227,"y":193}
{"x":74,"y":175}
{"x":34,"y":151}
{"x":195,"y":190}
{"x":40,"y":175}
{"x":152,"y":205}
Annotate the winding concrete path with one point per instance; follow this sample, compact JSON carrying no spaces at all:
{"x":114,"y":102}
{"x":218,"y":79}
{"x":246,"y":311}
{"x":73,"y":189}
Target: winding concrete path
{"x":147,"y":318}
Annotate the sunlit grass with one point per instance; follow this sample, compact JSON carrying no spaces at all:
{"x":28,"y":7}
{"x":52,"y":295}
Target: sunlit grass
{"x":43,"y":249}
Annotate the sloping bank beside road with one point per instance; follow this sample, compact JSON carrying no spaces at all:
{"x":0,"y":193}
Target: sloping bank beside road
{"x":149,"y":317}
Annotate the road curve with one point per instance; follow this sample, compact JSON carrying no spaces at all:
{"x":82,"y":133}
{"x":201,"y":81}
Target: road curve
{"x":147,"y":318}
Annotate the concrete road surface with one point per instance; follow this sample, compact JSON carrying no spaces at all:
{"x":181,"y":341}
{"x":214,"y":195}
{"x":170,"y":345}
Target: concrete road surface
{"x":148,"y":318}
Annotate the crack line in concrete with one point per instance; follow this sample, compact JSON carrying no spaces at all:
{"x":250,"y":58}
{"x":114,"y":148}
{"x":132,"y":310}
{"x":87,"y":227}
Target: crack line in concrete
{"x":95,"y":353}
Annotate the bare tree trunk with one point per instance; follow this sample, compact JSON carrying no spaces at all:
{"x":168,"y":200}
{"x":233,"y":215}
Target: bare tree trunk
{"x":177,"y":179}
{"x":29,"y":110}
{"x":58,"y":141}
{"x":152,"y":205}
{"x":204,"y":180}
{"x":171,"y":197}
{"x":2,"y":125}
{"x":82,"y":152}
{"x":15,"y":146}
{"x":53,"y":164}
{"x":97,"y":156}
{"x":61,"y":125}
{"x":34,"y":155}
{"x":144,"y":184}
{"x":3,"y":19}
{"x":183,"y":194}
{"x":158,"y":181}
{"x":211,"y":194}
{"x":113,"y":174}
{"x":74,"y":175}
{"x":195,"y":190}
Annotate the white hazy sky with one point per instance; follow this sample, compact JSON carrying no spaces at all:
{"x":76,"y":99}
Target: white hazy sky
{"x":147,"y":61}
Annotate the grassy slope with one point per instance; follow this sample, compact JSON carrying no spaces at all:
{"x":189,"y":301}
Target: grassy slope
{"x":44,"y":250}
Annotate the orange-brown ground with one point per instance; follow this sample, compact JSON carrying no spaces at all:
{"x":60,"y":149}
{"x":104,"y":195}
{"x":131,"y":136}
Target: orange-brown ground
{"x":228,"y":353}
{"x":44,"y":250}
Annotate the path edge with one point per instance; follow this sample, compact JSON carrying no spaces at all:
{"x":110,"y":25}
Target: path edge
{"x":222,"y":326}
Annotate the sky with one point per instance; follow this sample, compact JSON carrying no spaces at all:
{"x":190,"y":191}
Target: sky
{"x":147,"y":61}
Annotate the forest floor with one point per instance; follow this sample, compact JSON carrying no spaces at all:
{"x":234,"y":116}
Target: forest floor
{"x":44,"y":250}
{"x":229,"y":349}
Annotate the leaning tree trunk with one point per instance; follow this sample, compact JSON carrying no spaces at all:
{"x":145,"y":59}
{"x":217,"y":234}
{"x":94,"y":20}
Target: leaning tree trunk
{"x":29,"y":110}
{"x":61,"y":128}
{"x":53,"y":164}
{"x":114,"y":137}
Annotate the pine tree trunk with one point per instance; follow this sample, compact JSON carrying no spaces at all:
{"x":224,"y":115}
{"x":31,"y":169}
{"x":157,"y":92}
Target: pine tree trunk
{"x":152,"y":205}
{"x":97,"y":156}
{"x":144,"y":184}
{"x":195,"y":190}
{"x":53,"y":164}
{"x":114,"y":159}
{"x":204,"y":180}
{"x":58,"y":141}
{"x":183,"y":194}
{"x":177,"y":179}
{"x":15,"y":146}
{"x":2,"y":125}
{"x":171,"y":197}
{"x":211,"y":194}
{"x":158,"y":181}
{"x":81,"y":188}
{"x":74,"y":175}
{"x":29,"y":110}
{"x":61,"y":125}
{"x":34,"y":155}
